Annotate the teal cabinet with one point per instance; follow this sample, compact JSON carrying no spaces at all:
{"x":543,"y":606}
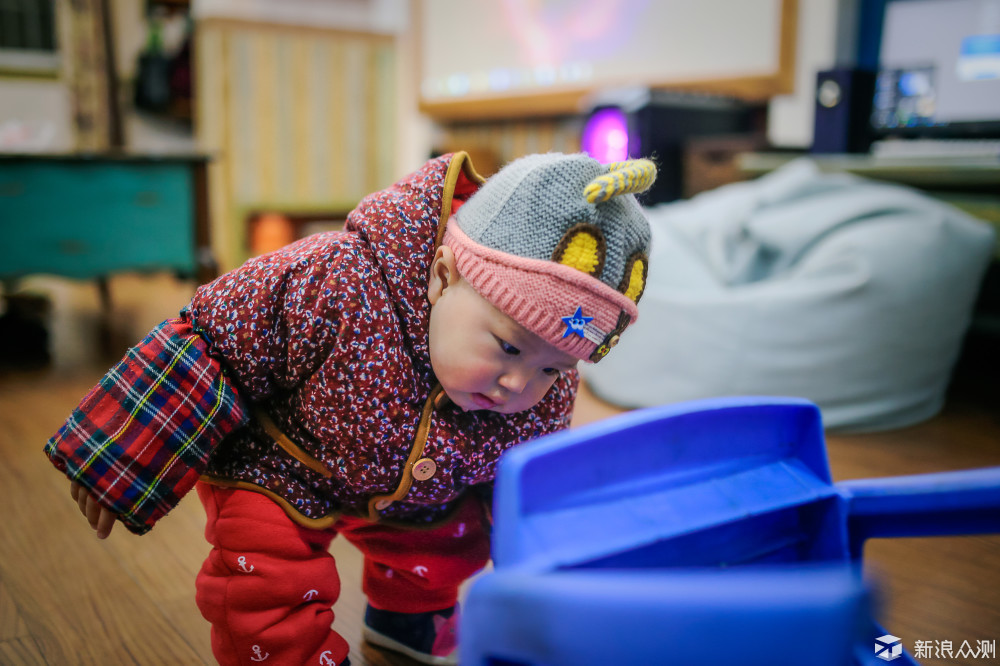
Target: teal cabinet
{"x":88,"y":217}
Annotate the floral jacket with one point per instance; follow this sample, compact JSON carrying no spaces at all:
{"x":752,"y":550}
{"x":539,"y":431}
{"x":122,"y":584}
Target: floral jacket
{"x":304,"y":375}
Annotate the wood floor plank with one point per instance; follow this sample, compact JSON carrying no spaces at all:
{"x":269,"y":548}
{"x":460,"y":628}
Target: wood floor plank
{"x":11,"y":623}
{"x":932,"y":588}
{"x":21,"y":652}
{"x":78,"y":603}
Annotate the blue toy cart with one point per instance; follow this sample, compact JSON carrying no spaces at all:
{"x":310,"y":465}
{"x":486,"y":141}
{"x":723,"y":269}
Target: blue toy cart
{"x":704,"y":533}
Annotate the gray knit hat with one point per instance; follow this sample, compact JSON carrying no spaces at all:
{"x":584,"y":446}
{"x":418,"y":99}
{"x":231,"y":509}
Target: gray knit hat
{"x":559,"y":243}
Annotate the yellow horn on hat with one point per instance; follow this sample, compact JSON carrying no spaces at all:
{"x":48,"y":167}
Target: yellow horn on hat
{"x":622,"y":178}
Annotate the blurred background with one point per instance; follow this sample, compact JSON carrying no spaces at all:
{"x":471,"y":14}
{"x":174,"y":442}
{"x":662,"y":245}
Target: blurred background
{"x":301,"y":107}
{"x":143,"y":137}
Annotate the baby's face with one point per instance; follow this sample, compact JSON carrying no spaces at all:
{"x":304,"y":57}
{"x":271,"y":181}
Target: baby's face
{"x":483,"y":358}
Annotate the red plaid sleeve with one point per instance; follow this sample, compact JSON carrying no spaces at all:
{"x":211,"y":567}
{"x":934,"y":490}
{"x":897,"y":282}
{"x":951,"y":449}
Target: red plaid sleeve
{"x":140,"y":439}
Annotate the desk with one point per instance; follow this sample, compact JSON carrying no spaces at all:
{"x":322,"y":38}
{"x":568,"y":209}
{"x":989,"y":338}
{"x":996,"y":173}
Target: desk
{"x":930,"y":173}
{"x":971,"y":184}
{"x":87,"y":216}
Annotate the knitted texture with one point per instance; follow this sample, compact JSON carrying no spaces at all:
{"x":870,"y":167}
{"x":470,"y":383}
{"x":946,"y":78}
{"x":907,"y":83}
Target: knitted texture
{"x":559,"y":264}
{"x":538,"y":294}
{"x":633,"y":176}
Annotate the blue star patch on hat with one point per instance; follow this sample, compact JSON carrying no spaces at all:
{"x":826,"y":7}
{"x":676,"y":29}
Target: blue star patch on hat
{"x":576,"y":323}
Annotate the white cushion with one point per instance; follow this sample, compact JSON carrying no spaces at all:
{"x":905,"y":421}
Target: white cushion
{"x":848,"y":292}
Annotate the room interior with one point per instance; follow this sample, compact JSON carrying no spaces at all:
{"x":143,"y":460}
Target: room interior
{"x":241,"y":126}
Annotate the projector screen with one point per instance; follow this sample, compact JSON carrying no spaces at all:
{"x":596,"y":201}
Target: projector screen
{"x":482,"y":57}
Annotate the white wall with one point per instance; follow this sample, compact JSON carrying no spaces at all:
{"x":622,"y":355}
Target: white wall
{"x":36,"y":113}
{"x":35,"y":107}
{"x":790,"y":117}
{"x":34,"y":116}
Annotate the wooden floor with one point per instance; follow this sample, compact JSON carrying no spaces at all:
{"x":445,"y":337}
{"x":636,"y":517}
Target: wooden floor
{"x":68,"y":598}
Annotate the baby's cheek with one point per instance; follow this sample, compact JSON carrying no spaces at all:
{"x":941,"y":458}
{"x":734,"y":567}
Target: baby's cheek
{"x":486,"y":369}
{"x":538,"y":390}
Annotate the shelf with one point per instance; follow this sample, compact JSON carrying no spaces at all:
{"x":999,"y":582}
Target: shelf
{"x":931,"y":173}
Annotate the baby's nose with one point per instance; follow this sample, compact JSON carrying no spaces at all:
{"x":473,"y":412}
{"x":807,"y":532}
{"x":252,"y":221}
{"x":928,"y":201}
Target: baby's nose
{"x":515,"y":380}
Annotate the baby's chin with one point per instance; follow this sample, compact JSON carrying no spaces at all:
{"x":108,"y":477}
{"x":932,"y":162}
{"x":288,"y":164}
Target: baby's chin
{"x":477,"y":402}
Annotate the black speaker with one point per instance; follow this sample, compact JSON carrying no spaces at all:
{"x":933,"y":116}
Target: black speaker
{"x":843,"y":108}
{"x":659,"y":126}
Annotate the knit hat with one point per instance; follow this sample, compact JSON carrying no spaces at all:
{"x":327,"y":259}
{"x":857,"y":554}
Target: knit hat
{"x":560,"y":244}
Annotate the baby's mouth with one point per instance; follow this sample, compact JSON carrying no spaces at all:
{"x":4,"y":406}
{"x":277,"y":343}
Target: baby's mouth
{"x":482,"y":401}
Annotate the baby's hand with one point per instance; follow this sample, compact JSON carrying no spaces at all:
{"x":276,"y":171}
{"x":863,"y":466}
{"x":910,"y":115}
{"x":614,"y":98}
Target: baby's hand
{"x":101,"y":519}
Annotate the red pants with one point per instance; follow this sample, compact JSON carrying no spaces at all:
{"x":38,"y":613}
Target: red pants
{"x":268,"y":584}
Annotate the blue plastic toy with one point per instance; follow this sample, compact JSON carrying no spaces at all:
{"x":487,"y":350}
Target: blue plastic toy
{"x":700,"y":533}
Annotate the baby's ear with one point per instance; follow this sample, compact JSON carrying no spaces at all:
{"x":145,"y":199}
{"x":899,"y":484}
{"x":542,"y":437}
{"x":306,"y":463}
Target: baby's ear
{"x":444,"y":273}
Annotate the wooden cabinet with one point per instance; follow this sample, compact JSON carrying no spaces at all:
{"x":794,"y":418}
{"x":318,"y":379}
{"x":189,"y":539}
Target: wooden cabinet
{"x":91,"y":216}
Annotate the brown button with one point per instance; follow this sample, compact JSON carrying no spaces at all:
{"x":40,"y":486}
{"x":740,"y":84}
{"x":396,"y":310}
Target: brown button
{"x":382,"y":504}
{"x":424,"y":469}
{"x":614,"y":340}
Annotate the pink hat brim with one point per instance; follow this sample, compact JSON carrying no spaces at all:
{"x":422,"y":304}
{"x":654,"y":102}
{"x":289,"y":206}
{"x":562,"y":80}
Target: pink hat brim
{"x":538,"y":294}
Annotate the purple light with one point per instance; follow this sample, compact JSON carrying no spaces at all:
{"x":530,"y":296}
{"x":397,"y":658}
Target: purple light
{"x":605,"y":136}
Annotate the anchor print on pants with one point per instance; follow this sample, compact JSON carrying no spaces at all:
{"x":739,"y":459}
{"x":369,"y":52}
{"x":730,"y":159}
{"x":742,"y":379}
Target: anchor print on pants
{"x":258,"y":654}
{"x":242,"y":562}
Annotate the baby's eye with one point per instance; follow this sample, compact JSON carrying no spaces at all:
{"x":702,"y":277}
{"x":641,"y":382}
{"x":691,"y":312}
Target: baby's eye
{"x":551,"y":372}
{"x":508,"y":348}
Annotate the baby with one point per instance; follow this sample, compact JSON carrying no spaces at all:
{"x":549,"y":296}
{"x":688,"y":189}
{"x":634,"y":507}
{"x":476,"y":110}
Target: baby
{"x":365,"y":383}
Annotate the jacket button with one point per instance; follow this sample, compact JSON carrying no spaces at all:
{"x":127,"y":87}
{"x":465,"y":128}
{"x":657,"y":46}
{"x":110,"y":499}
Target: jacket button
{"x":382,"y":504}
{"x":424,"y":469}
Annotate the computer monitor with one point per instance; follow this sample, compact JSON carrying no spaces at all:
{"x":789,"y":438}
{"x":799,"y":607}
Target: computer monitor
{"x":939,"y":70}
